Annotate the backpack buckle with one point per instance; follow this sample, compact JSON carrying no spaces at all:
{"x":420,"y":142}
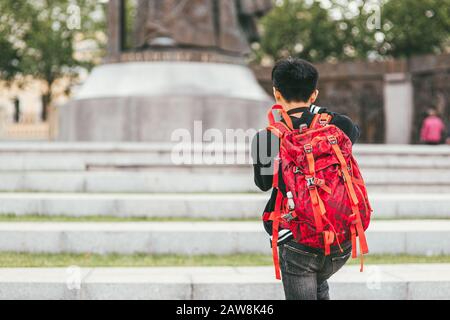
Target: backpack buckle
{"x":303,"y":127}
{"x":310,"y":182}
{"x":308,"y":148}
{"x":290,"y":201}
{"x":289,"y":216}
{"x":332,"y":139}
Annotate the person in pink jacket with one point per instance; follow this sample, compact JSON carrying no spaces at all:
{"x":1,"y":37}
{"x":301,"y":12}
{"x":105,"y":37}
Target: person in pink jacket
{"x":432,"y":128}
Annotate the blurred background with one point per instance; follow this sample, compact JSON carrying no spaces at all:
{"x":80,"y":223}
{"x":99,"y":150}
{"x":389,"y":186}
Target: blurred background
{"x":361,"y":48}
{"x":91,"y":92}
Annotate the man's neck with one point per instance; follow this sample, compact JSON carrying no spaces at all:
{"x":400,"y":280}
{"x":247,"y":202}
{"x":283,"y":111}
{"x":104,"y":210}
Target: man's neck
{"x":295,"y":105}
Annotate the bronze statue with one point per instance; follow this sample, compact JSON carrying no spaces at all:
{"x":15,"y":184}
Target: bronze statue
{"x":226,"y":25}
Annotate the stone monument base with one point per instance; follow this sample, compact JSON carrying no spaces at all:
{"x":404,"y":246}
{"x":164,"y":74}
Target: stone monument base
{"x":147,"y":101}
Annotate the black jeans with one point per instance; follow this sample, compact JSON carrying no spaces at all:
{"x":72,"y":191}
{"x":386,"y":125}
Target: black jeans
{"x":305,"y":272}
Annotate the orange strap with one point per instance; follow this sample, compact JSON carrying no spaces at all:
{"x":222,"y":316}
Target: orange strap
{"x":275,"y":131}
{"x":357,"y":229}
{"x":362,"y":245}
{"x":358,"y":181}
{"x":314,"y":121}
{"x":275,"y":217}
{"x":316,"y":201}
{"x":328,"y":237}
{"x":318,"y":208}
{"x":347,"y":177}
{"x":353,"y":232}
{"x":283,"y":113}
{"x":310,"y":159}
{"x":321,"y":184}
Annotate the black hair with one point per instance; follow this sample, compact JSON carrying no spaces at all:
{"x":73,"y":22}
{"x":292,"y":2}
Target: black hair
{"x":295,"y":78}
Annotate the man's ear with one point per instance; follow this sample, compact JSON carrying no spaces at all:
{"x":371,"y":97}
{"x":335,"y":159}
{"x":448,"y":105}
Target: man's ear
{"x":276,"y":94}
{"x":314,"y":96}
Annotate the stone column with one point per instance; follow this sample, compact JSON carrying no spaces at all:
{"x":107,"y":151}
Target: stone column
{"x":398,"y":107}
{"x":115,"y":27}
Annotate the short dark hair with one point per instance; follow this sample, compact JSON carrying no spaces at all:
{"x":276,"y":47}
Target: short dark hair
{"x":295,"y":78}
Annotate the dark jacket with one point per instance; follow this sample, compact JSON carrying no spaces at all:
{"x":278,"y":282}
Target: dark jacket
{"x":265,"y":147}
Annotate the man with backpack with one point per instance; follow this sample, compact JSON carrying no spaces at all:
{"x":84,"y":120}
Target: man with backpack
{"x":319,"y":205}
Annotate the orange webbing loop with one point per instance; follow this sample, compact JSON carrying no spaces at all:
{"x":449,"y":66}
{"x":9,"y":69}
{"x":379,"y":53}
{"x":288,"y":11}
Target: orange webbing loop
{"x":328,"y":239}
{"x":321,"y":184}
{"x":353,"y":231}
{"x":283,"y":113}
{"x":335,"y":233}
{"x":318,"y":209}
{"x":275,"y":217}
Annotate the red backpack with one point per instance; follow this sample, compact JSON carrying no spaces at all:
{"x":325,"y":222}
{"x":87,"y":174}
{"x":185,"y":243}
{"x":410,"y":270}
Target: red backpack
{"x":326,"y":199}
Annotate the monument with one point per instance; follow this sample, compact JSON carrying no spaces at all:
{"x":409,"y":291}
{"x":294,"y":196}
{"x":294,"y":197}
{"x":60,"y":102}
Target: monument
{"x":179,"y":62}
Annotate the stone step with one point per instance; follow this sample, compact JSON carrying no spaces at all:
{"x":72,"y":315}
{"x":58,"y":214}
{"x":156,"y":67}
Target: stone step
{"x":389,"y":282}
{"x":418,"y":237}
{"x":142,"y":156}
{"x":203,"y":206}
{"x":204,"y":179}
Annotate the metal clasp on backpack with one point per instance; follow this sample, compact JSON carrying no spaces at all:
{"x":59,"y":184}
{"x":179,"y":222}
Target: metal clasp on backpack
{"x":290,"y":202}
{"x":308,"y":148}
{"x":332,"y":139}
{"x":310,"y":182}
{"x":291,"y":206}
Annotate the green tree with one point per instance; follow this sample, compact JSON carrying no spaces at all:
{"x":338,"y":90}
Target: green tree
{"x":297,"y":29}
{"x":10,"y":58}
{"x":43,"y":35}
{"x":413,"y":27}
{"x":324,"y":30}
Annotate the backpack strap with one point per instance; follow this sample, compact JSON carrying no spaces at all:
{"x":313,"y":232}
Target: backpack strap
{"x":283,"y":113}
{"x":314,"y":109}
{"x":275,"y":216}
{"x":356,"y":228}
{"x":329,"y":236}
{"x":323,"y":119}
{"x":279,"y":129}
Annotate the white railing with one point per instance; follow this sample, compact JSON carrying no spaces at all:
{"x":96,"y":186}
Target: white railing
{"x":29,"y":127}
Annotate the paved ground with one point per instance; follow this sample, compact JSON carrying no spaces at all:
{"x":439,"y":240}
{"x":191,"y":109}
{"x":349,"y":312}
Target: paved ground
{"x":422,"y":281}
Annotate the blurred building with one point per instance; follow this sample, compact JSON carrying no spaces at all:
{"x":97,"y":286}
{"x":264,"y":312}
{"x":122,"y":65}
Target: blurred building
{"x":387,"y":99}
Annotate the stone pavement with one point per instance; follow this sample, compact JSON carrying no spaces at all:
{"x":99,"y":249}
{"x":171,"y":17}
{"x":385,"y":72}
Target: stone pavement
{"x":412,"y":281}
{"x":415,"y":237}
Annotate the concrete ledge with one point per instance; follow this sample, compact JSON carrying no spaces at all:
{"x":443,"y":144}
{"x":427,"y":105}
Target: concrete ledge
{"x":52,"y":147}
{"x":208,"y":206}
{"x":203,"y":179}
{"x":389,"y":282}
{"x":419,"y":237}
{"x":82,"y":156}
